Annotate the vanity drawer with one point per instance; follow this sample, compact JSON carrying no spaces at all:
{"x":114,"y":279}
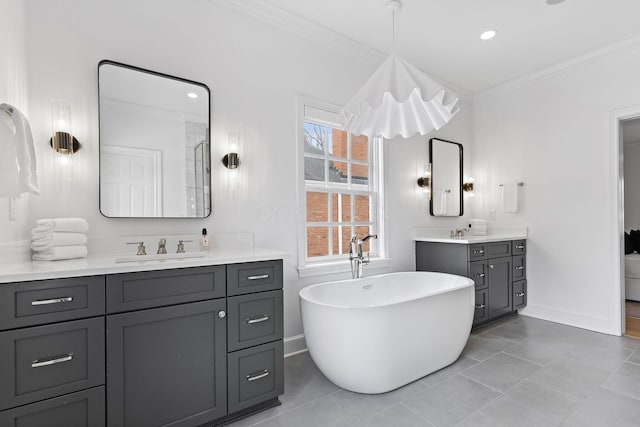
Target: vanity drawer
{"x":81,"y":409}
{"x":134,"y":291}
{"x":519,"y":294}
{"x":518,"y":247}
{"x":255,"y":375}
{"x":251,"y":277}
{"x":519,"y":267}
{"x":477,"y":251}
{"x":254,"y":319}
{"x":482,"y":307}
{"x":46,"y":301}
{"x":499,"y":249}
{"x":47,"y":361}
{"x":478,"y":272}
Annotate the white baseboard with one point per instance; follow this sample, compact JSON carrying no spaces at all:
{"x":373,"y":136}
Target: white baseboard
{"x":294,"y":345}
{"x":572,"y":319}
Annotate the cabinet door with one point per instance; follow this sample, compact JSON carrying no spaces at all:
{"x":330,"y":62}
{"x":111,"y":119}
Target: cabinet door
{"x":478,"y":273}
{"x":519,"y":294}
{"x":167,"y":366}
{"x":500,"y":286}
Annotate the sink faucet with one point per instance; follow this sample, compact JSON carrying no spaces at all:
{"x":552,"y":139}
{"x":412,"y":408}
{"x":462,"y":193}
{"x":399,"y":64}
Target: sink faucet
{"x":162,"y":249}
{"x":457,"y":233}
{"x":355,"y":254}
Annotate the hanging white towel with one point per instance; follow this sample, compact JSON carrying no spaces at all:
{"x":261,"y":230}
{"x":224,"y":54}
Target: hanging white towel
{"x":72,"y":225}
{"x":18,"y":164}
{"x":510,"y":196}
{"x":44,"y":241}
{"x":61,"y":252}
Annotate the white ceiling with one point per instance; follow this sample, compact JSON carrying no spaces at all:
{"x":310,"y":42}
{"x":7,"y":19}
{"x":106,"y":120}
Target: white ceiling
{"x":442,"y":36}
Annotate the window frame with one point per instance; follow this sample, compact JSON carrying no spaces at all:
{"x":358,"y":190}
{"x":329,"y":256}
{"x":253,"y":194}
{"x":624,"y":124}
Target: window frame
{"x":337,"y":263}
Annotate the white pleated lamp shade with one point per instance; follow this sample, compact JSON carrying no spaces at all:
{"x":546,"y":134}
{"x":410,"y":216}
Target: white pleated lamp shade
{"x":399,"y":99}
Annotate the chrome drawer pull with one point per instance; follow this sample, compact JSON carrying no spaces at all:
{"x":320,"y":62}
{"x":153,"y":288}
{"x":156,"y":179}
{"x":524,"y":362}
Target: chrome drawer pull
{"x":478,"y":251}
{"x":52,"y":301}
{"x":519,"y":246}
{"x":257,"y":376}
{"x":519,"y":267}
{"x":261,"y":319}
{"x":479,"y":305}
{"x":38,"y":363}
{"x":480,"y":275}
{"x":262,"y":276}
{"x":521,"y":294}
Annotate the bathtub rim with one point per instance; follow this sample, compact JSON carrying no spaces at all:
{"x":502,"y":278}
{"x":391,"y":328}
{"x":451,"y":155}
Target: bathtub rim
{"x":468,"y":283}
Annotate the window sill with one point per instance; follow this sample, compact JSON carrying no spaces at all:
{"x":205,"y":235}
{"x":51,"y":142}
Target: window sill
{"x":337,"y":267}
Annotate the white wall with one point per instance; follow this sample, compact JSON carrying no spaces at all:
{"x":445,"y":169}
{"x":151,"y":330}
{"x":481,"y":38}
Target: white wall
{"x":254,"y":71}
{"x":632,"y":186}
{"x":554,"y":134}
{"x":13,"y":90}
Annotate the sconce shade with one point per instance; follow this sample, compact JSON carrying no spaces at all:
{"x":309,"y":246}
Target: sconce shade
{"x":231,"y":161}
{"x":399,"y":99}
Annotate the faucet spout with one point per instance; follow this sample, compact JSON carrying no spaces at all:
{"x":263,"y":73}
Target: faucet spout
{"x":355,"y":254}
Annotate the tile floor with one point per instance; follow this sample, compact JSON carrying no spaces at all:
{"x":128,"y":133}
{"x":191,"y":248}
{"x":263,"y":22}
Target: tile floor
{"x":519,"y":371}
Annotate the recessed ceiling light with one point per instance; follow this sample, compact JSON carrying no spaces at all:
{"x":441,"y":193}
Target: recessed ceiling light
{"x":488,"y":35}
{"x":192,"y":95}
{"x":552,"y":2}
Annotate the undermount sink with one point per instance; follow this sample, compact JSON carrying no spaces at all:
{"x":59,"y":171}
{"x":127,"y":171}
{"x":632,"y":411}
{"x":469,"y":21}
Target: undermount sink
{"x":158,"y":257}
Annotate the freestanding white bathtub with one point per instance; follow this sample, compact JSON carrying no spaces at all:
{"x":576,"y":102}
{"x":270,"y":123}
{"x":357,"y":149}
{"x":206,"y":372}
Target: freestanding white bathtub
{"x":375,"y":334}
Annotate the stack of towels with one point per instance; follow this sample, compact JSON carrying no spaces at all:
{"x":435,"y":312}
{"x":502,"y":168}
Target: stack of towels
{"x":478,"y":226}
{"x":59,"y":238}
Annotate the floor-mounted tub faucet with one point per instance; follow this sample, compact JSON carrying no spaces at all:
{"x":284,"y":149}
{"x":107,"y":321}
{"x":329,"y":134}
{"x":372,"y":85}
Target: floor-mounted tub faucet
{"x":355,"y":254}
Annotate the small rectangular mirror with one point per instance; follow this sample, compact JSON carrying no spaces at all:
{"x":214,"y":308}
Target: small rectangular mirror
{"x":154,"y":144}
{"x":445,"y":159}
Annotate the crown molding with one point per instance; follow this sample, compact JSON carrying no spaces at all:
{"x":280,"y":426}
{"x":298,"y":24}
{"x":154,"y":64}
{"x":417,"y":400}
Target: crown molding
{"x":274,"y":15}
{"x":567,"y":66}
{"x":264,"y":11}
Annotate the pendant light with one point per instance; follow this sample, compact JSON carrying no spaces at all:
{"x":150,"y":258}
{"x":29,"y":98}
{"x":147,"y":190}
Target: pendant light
{"x":399,"y":99}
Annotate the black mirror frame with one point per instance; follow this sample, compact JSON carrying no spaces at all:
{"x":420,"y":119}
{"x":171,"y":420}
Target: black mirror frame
{"x":431,"y":177}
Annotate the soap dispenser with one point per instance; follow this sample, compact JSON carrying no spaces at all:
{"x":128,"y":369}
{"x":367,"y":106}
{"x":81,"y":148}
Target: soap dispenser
{"x":204,"y":240}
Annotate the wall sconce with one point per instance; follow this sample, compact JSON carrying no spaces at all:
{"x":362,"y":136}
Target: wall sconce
{"x":467,"y":187}
{"x":424,"y":181}
{"x":231,"y":159}
{"x":62,"y":142}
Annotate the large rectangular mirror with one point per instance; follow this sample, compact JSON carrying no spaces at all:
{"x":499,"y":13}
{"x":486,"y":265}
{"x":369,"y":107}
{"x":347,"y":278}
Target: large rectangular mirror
{"x":445,"y":158}
{"x":154,"y":144}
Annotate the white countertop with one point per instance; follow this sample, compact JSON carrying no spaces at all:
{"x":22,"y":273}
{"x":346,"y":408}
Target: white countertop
{"x":440,"y":235}
{"x":96,"y":265}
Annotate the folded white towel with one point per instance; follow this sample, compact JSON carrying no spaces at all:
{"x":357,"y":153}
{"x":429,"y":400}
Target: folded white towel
{"x":73,"y":225}
{"x":61,"y":252}
{"x":44,"y":241}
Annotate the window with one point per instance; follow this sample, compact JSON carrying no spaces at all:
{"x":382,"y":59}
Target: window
{"x":340,"y":189}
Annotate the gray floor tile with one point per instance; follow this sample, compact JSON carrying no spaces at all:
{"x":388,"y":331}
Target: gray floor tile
{"x":604,"y":357}
{"x":494,"y":325}
{"x":501,"y":371}
{"x":530,"y":404}
{"x":540,"y":350}
{"x":625,"y":380}
{"x":606,"y":408}
{"x":635,"y":357}
{"x":572,"y":377}
{"x":481,"y":347}
{"x":439,"y":376}
{"x":451,"y":401}
{"x":397,"y":416}
{"x":303,"y":382}
{"x":364,"y":407}
{"x":322,"y":412}
{"x":480,"y":419}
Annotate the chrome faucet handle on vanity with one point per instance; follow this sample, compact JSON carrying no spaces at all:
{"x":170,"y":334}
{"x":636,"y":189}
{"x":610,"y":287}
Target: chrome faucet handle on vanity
{"x":162,"y":246}
{"x":141,"y":249}
{"x":181,"y":243}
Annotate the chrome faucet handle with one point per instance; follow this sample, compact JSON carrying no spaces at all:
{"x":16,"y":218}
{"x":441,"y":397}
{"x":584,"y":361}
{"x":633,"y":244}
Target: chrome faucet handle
{"x":162,"y":249}
{"x":181,"y":243}
{"x":141,"y":249}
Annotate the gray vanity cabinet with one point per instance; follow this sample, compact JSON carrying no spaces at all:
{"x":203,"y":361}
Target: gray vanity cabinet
{"x":497,"y":268}
{"x":167,"y":366}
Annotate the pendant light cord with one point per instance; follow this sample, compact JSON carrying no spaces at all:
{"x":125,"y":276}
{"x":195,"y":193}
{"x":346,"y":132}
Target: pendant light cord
{"x":393,"y":31}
